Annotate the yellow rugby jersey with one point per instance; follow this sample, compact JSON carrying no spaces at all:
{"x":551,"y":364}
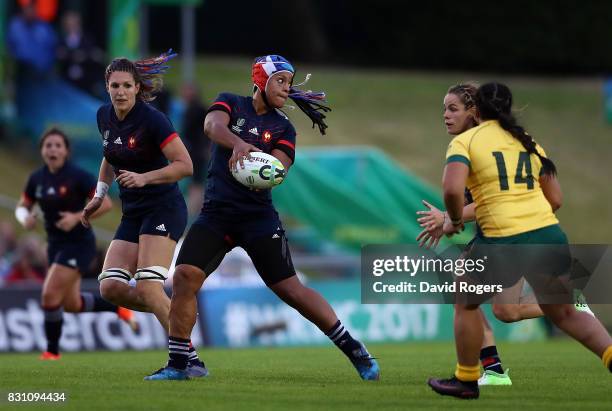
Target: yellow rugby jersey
{"x":503,"y":180}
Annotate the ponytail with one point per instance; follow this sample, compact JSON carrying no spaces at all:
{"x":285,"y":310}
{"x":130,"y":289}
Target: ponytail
{"x":508,"y":123}
{"x":147,"y":72}
{"x":151,"y":71}
{"x":494,"y":102}
{"x":311,"y":103}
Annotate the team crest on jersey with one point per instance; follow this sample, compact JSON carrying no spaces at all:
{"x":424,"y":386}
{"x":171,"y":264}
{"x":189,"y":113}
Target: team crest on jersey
{"x":63,"y":190}
{"x":38,"y":192}
{"x":132,"y":142}
{"x":105,"y":136}
{"x":240,"y":122}
{"x":266,"y":136}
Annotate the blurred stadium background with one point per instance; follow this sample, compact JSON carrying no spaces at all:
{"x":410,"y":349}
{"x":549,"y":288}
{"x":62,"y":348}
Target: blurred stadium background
{"x":385,"y":66}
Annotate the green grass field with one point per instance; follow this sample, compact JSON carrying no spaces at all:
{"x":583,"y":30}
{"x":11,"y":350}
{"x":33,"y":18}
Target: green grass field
{"x":559,"y":375}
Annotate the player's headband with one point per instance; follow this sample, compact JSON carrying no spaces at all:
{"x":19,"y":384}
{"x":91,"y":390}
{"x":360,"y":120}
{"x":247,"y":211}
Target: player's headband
{"x":266,"y":66}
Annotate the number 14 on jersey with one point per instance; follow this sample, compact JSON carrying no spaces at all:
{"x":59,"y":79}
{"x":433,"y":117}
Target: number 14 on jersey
{"x":522,"y":175}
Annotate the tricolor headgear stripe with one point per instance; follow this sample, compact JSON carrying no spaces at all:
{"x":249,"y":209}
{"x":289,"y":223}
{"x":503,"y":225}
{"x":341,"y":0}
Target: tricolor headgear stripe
{"x":266,"y":66}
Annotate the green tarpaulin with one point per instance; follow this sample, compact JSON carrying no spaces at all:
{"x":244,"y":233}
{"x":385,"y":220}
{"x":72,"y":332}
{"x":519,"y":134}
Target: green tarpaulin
{"x":355,"y":196}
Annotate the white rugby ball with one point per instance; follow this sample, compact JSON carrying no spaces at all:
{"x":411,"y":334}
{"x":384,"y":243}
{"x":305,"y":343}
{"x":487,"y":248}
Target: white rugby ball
{"x":261,"y":171}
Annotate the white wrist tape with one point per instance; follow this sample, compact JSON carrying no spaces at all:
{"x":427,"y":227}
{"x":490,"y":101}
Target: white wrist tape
{"x":101,"y":189}
{"x":22,"y":214}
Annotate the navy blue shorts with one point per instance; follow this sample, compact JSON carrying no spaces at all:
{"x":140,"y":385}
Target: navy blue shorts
{"x":167,"y":219}
{"x":264,"y":240}
{"x":78,"y":255}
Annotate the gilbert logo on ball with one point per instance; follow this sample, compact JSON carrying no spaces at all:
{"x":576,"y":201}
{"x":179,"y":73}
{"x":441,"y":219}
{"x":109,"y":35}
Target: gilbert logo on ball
{"x":261,"y":171}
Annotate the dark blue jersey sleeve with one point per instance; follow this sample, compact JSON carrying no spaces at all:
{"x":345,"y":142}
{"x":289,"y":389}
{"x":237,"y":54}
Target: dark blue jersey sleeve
{"x":224,"y":102}
{"x":29,"y":194}
{"x":161,"y":129}
{"x":87,"y":184}
{"x":286,"y":142}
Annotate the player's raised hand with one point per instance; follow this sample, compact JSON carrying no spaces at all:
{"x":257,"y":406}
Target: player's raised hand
{"x":129,"y":179}
{"x":240,"y":152}
{"x":431,"y":219}
{"x":68,"y":220}
{"x":91,"y":207}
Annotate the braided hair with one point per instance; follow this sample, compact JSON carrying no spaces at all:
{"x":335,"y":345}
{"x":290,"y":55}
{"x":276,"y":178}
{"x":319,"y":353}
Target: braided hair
{"x":466,"y":93}
{"x":494,"y":102}
{"x":311,"y":103}
{"x":147,"y":72}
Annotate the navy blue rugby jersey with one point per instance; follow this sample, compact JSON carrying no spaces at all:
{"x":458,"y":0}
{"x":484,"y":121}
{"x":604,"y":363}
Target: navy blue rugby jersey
{"x":267,"y":132}
{"x":135,"y":144}
{"x":67,"y":190}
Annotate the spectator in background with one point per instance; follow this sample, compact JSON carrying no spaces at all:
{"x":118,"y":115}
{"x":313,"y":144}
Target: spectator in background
{"x":197,"y":143}
{"x":32,"y":43}
{"x":45,"y":9}
{"x":8,"y":245}
{"x":162,"y":101}
{"x":8,"y":237}
{"x":30,"y":262}
{"x":79,"y":59}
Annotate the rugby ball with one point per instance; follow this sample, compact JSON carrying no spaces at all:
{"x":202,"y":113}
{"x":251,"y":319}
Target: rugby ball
{"x":261,"y":171}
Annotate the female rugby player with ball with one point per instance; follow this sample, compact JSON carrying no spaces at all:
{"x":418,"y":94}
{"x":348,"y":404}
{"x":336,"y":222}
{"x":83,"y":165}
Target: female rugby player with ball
{"x":234,"y":215}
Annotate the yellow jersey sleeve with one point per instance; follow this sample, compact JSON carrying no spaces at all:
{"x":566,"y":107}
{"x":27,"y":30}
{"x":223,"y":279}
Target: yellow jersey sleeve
{"x":459,"y":150}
